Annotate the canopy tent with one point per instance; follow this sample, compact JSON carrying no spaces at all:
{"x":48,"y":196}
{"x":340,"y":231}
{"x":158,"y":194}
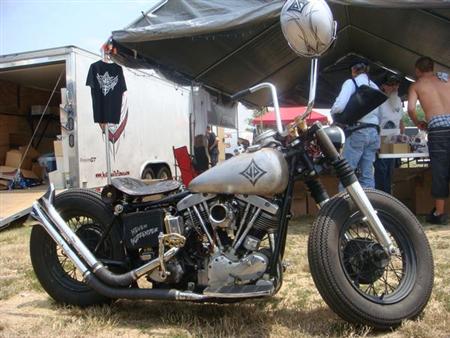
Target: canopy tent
{"x":234,"y":44}
{"x":288,"y":115}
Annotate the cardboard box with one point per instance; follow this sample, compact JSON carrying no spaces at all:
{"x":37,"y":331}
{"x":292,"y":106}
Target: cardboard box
{"x":7,"y":173}
{"x":385,"y":148}
{"x":299,"y":200}
{"x":19,"y":139}
{"x":38,"y":170}
{"x":31,"y":153}
{"x":330,"y":184}
{"x":400,"y":148}
{"x":423,"y":201}
{"x":14,"y":158}
{"x":60,"y":163}
{"x":3,"y":151}
{"x":395,"y":148}
{"x":4,"y":184}
{"x":4,"y":139}
{"x":39,"y":109}
{"x":57,"y":146}
{"x":8,"y":122}
{"x":57,"y":178}
{"x":29,"y":174}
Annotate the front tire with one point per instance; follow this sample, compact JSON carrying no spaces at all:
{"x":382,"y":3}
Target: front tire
{"x":88,"y":216}
{"x":354,"y":275}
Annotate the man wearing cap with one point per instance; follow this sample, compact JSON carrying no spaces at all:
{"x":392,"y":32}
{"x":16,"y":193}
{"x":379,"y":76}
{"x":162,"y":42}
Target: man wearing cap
{"x":391,"y":113}
{"x":363,"y":140}
{"x":433,"y":92}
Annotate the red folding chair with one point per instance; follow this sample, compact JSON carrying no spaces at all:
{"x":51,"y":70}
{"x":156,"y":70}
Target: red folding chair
{"x":184,"y":162}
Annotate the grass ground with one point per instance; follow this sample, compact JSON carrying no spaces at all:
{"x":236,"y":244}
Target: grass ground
{"x":297,"y":310}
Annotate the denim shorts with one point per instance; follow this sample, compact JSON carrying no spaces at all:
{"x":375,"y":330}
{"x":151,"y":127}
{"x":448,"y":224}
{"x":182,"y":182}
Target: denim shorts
{"x":439,"y":149}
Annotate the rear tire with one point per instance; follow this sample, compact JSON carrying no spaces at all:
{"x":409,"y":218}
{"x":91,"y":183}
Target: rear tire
{"x":164,"y":173}
{"x":148,"y":174}
{"x":352,"y":273}
{"x":88,"y":216}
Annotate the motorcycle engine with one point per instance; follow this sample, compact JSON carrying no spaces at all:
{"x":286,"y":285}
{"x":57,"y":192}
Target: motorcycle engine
{"x":232,"y":230}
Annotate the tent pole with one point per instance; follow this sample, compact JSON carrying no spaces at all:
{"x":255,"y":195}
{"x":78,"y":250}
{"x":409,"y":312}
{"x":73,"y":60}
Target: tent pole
{"x":192,"y":121}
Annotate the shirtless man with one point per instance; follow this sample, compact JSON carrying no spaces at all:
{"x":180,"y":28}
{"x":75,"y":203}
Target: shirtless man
{"x":433,"y":92}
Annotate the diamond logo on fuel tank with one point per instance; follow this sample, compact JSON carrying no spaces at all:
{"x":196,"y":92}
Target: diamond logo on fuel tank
{"x":253,"y":173}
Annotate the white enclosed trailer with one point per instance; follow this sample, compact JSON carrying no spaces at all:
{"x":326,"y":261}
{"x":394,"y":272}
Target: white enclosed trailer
{"x":158,"y":116}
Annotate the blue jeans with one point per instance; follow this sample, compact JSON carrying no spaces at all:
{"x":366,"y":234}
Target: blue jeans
{"x":214,"y":157}
{"x":384,"y":168}
{"x":360,"y":149}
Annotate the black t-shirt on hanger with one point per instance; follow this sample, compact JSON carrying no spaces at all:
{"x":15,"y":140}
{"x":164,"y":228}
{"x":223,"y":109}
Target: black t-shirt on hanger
{"x":107,"y":86}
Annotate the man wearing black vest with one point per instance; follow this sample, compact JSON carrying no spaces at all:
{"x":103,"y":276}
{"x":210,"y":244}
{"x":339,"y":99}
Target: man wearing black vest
{"x":362,"y":141}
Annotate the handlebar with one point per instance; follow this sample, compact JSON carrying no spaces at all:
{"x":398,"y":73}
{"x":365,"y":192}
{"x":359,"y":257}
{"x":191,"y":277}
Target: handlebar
{"x":273,"y":91}
{"x":240,"y":94}
{"x":311,"y":99}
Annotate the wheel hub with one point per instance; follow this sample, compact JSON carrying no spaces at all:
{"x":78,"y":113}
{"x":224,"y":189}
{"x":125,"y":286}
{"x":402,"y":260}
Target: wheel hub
{"x":365,"y":260}
{"x":90,"y":235}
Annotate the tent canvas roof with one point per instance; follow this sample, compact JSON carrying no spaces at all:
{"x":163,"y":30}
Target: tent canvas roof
{"x":234,"y":44}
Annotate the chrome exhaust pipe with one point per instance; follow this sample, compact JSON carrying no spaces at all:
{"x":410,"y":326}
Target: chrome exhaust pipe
{"x":136,"y":293}
{"x":50,"y":219}
{"x":91,"y":280}
{"x":38,"y":214}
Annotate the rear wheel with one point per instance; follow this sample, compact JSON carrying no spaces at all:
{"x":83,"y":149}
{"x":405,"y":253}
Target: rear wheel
{"x":164,"y":173}
{"x":354,"y":275}
{"x":88,"y":217}
{"x":148,"y":174}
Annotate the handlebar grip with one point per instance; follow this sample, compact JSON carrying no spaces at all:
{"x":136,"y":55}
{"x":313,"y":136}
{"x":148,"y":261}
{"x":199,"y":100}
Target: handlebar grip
{"x":240,"y":94}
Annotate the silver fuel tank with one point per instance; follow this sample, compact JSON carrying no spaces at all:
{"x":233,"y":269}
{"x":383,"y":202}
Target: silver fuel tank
{"x":264,"y":172}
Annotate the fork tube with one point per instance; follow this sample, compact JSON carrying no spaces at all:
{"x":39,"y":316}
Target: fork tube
{"x":360,"y":198}
{"x":349,"y":180}
{"x":280,"y":240}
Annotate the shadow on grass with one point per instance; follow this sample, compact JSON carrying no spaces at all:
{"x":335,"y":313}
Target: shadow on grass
{"x":261,"y":318}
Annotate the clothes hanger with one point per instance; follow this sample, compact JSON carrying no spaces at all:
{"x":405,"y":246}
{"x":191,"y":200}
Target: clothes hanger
{"x":106,"y":51}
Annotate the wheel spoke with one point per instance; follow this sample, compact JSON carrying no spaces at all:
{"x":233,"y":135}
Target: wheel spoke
{"x":365,"y":264}
{"x":90,"y":233}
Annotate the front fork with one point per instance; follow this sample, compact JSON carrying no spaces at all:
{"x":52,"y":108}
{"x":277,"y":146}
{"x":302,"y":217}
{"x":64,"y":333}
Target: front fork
{"x":349,"y":180}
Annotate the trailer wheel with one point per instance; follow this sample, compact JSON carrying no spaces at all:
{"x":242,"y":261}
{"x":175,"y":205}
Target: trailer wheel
{"x":148,"y":174}
{"x":164,"y":173}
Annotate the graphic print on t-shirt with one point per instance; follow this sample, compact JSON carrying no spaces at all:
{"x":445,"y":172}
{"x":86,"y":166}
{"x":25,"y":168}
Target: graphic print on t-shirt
{"x":107,"y":82}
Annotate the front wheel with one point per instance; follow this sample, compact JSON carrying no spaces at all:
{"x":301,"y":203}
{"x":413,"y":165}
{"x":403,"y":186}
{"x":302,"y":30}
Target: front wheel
{"x":354,"y":275}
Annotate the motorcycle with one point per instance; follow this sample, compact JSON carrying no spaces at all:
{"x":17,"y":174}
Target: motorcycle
{"x":223,"y":238}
